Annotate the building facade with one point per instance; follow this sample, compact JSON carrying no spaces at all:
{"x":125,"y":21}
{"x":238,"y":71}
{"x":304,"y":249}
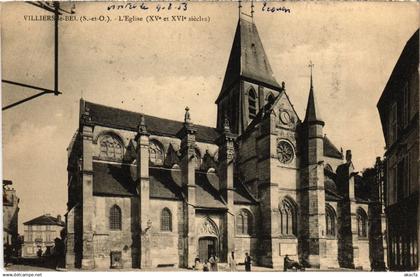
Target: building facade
{"x":10,"y":219}
{"x":40,"y":234}
{"x":399,"y":111}
{"x":148,"y":192}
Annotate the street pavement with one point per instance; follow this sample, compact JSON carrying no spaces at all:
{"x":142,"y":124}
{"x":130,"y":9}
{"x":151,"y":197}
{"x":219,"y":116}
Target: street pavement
{"x":17,"y":267}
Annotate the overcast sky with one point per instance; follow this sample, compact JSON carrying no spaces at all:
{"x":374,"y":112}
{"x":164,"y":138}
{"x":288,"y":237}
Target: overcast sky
{"x":159,"y":68}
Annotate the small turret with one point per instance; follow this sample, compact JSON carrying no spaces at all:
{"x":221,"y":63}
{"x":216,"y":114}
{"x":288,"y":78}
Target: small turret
{"x":312,"y":113}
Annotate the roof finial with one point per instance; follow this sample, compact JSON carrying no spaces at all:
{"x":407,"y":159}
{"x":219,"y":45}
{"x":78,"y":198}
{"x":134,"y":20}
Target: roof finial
{"x":187,"y":117}
{"x":142,"y":125}
{"x":311,"y":66}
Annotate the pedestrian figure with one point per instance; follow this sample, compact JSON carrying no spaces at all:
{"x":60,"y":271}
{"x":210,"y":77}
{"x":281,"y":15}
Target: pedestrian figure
{"x":39,"y":252}
{"x":213,"y":263}
{"x":205,"y":266}
{"x":232,"y":262}
{"x":248,"y":262}
{"x":290,"y":264}
{"x":197,"y":264}
{"x":7,"y":254}
{"x":59,"y":253}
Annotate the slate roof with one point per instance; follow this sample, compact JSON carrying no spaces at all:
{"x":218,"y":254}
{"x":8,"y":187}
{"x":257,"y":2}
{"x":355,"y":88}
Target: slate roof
{"x":45,"y":219}
{"x":330,"y":196}
{"x":122,"y":119}
{"x":330,"y":150}
{"x":111,"y":179}
{"x":247,"y":58}
{"x":242,"y":195}
{"x":331,"y":193}
{"x":207,"y":191}
{"x":165,"y":183}
{"x":312,"y":111}
{"x":118,"y":180}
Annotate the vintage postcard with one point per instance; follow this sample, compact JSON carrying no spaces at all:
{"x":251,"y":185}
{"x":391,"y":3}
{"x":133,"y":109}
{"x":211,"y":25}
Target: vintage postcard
{"x":230,"y":136}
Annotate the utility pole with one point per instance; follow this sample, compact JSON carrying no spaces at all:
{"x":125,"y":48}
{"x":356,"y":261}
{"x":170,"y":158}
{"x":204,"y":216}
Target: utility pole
{"x":54,"y":8}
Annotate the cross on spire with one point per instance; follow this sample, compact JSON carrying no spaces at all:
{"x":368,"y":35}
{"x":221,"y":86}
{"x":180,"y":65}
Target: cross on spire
{"x":252,"y":10}
{"x":251,"y":15}
{"x":311,"y":66}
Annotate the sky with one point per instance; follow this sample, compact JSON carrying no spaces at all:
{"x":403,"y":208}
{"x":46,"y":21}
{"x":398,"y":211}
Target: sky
{"x":158,"y":68}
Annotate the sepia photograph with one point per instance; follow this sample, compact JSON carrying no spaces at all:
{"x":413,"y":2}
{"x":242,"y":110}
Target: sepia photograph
{"x":220,"y":136}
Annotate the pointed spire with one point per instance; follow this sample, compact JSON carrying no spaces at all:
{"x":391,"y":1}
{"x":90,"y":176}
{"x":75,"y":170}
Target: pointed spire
{"x":247,"y":59}
{"x":312,"y":112}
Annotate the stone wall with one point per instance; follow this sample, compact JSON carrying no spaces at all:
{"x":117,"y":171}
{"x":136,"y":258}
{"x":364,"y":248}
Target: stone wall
{"x":364,"y":260}
{"x":165,"y":244}
{"x":247,"y":243}
{"x":331,"y":255}
{"x":125,"y":240}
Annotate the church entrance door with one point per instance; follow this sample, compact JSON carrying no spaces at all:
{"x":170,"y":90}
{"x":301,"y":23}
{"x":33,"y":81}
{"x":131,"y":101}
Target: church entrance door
{"x":206,"y":247}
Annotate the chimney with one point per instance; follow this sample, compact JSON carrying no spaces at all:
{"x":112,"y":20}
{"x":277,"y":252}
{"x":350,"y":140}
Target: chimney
{"x":58,"y":218}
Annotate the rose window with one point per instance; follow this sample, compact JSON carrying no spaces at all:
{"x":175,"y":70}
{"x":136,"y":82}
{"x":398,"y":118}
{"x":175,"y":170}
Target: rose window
{"x":285,"y":152}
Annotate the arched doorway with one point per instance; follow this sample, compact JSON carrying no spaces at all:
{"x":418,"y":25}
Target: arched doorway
{"x":206,"y":247}
{"x":208,"y":238}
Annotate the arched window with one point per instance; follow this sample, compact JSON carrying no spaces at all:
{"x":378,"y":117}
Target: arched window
{"x":198,"y":160}
{"x":330,"y":221}
{"x":115,"y":218}
{"x":166,"y":220}
{"x":252,"y":103}
{"x":361,"y":223}
{"x":244,"y":222}
{"x":111,"y":148}
{"x":288,"y":224}
{"x":155,"y":153}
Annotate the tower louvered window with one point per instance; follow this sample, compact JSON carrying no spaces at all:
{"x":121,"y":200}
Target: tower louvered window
{"x":252,"y":103}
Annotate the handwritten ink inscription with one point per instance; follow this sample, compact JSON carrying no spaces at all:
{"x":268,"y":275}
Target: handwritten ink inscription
{"x":183,"y":6}
{"x":274,"y":9}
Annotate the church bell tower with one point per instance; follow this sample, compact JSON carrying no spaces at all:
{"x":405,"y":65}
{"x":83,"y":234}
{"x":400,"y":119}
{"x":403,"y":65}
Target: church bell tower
{"x":249,"y":83}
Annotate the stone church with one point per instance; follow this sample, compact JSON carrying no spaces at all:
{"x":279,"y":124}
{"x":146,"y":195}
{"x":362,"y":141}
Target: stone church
{"x":145,"y":191}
